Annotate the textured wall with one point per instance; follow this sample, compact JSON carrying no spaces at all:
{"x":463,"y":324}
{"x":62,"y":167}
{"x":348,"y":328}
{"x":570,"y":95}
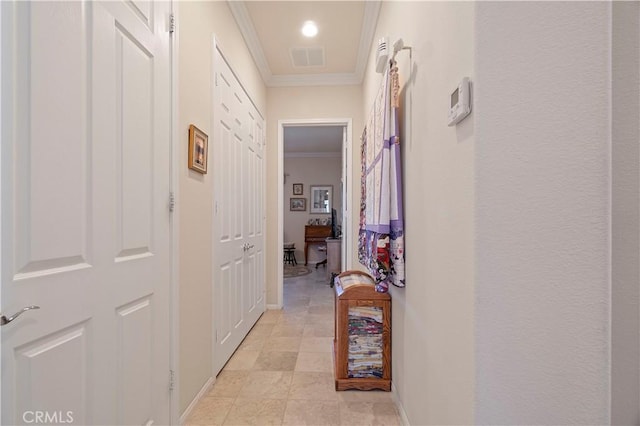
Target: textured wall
{"x":543,"y":136}
{"x":432,"y":317}
{"x":198,"y":22}
{"x":309,"y":171}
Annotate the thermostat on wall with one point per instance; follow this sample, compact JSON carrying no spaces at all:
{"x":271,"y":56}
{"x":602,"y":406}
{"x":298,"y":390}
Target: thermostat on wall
{"x":460,"y":102}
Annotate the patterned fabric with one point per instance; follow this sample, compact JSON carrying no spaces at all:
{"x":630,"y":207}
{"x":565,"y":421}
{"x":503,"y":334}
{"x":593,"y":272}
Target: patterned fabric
{"x":381,"y":237}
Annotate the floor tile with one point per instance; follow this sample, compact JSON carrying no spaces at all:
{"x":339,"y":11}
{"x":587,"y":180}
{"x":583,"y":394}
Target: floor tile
{"x":315,"y":361}
{"x":228,"y":384}
{"x":369,"y":413}
{"x":287,"y":331}
{"x":321,"y":309}
{"x":276,"y":361}
{"x":256,"y":412}
{"x":318,"y":330}
{"x":267,"y":385}
{"x":307,"y":412}
{"x":253,"y":342}
{"x":282,"y":373}
{"x":282,"y":344}
{"x":261,"y":330}
{"x":314,"y":386}
{"x":365,"y":396}
{"x":242,"y":360}
{"x":316,"y":344}
{"x":270,"y":316}
{"x":210,"y":411}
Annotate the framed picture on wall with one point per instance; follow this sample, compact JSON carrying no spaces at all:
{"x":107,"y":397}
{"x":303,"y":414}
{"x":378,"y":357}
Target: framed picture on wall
{"x":298,"y":204}
{"x":297,"y":188}
{"x":198,"y":149}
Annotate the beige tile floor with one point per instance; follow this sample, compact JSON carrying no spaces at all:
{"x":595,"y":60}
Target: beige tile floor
{"x":282,"y":373}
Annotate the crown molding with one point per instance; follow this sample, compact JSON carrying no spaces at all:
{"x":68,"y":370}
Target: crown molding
{"x":243,"y":20}
{"x":369,"y":22}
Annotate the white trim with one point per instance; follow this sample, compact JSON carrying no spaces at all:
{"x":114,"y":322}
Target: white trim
{"x":370,"y":21}
{"x":248,"y":31}
{"x":312,"y":154}
{"x":1,"y":196}
{"x":203,"y":392}
{"x":348,"y":122}
{"x":280,"y":232}
{"x":174,"y":357}
{"x":274,"y":307}
{"x":396,"y":400}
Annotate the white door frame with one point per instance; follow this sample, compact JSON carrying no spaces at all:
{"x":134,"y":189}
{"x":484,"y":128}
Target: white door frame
{"x":174,"y":360}
{"x":346,"y":225}
{"x":1,"y":201}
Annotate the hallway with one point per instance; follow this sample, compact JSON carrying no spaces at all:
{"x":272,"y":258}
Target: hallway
{"x":282,"y":372}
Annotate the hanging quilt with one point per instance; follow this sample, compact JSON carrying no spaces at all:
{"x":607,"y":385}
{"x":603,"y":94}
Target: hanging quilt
{"x":381,"y":237}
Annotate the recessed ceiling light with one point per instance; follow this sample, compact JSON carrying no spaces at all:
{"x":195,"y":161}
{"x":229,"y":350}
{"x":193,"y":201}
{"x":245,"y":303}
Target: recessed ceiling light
{"x":309,"y":29}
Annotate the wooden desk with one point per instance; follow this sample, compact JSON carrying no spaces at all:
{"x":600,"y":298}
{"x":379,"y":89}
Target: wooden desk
{"x":314,"y":234}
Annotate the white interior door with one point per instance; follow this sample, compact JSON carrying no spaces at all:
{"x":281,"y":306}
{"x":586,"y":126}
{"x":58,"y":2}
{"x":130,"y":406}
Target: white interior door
{"x":85,"y":225}
{"x":346,"y":193}
{"x":238,"y":229}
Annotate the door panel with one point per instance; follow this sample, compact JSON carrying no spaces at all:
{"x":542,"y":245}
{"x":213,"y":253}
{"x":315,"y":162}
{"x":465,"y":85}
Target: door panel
{"x":50,"y":224}
{"x":66,"y":385}
{"x":134,"y":350}
{"x":238,"y":215}
{"x":85,"y":224}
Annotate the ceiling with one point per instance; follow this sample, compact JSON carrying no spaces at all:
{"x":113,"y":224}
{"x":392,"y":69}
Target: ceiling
{"x":271,"y":30}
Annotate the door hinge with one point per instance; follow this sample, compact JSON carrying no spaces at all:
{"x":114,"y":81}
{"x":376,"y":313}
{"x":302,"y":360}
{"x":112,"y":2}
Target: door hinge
{"x":216,"y":79}
{"x":171,"y":379}
{"x":172,"y":202}
{"x":172,"y":23}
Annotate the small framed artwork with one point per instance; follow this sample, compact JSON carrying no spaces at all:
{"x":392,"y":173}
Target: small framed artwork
{"x":297,"y":189}
{"x":198,"y":149}
{"x":298,"y":204}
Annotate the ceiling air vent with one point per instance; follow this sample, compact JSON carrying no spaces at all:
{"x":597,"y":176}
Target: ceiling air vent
{"x":307,"y":56}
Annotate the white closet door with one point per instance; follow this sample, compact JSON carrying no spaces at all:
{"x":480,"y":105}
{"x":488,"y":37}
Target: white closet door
{"x":238,"y":228}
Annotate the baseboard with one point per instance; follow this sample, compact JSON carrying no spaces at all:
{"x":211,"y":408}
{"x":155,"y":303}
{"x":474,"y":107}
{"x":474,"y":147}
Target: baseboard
{"x":205,"y":389}
{"x":403,"y":414}
{"x":274,"y":307}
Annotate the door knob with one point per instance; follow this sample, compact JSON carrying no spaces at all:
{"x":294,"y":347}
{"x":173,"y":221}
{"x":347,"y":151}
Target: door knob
{"x":4,"y":320}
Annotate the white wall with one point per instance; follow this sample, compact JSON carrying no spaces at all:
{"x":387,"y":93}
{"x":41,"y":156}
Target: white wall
{"x":309,"y":171}
{"x":198,"y":21}
{"x":285,"y":103}
{"x":625,"y":332}
{"x":432,"y":318}
{"x":542,"y":170}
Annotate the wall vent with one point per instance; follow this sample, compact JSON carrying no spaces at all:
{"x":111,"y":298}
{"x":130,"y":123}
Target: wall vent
{"x":307,"y":56}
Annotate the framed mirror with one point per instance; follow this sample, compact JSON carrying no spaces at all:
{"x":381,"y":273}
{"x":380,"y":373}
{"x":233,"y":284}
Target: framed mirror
{"x":321,"y":198}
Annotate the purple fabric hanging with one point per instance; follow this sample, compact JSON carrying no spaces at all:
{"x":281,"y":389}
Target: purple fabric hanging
{"x":381,"y":237}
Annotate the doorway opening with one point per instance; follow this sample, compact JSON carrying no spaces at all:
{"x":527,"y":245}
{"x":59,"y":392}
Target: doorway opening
{"x":301,"y":143}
